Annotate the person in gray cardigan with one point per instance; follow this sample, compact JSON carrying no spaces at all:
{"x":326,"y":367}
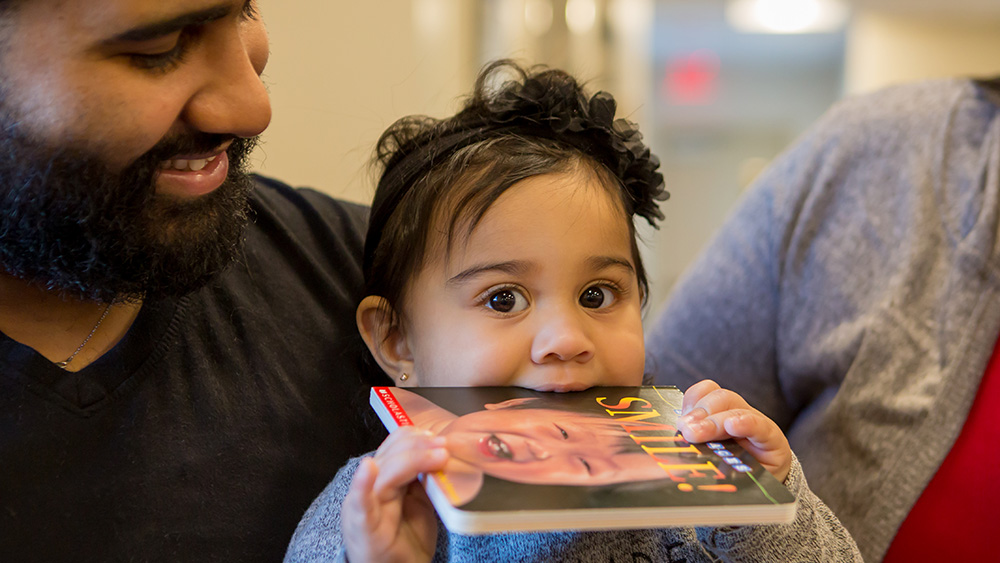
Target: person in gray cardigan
{"x":853,"y":296}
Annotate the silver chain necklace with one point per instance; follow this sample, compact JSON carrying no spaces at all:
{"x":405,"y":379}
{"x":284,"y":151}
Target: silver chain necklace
{"x":63,"y":364}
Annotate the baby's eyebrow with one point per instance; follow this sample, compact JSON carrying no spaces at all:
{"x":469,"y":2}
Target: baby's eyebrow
{"x":513,"y":268}
{"x":602,"y":262}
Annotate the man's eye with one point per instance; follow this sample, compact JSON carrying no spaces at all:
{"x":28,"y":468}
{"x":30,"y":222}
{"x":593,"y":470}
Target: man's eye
{"x":165,"y":53}
{"x":162,"y":61}
{"x":597,"y":297}
{"x":507,"y":300}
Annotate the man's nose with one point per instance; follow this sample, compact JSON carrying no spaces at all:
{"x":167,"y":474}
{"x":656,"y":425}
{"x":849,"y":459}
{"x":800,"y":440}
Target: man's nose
{"x":232,"y":100}
{"x":562,"y":336}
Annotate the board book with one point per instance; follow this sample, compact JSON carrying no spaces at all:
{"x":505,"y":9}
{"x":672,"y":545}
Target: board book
{"x":604,"y":458}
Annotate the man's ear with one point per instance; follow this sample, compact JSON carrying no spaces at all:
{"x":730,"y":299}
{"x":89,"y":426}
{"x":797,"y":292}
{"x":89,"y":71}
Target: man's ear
{"x":382,"y":332}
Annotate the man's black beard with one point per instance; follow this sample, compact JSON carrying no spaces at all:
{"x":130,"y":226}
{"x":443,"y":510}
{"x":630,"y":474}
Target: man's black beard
{"x":71,"y":224}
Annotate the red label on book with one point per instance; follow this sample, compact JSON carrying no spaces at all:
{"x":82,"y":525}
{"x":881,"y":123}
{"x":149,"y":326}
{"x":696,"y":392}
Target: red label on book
{"x":392,"y":405}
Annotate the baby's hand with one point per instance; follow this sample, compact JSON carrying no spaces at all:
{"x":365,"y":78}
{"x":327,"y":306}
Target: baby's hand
{"x":710,"y":412}
{"x":386,"y":515}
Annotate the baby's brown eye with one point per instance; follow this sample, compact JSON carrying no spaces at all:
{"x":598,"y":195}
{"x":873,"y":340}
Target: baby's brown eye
{"x":503,"y":302}
{"x":593,"y":297}
{"x":507,"y":300}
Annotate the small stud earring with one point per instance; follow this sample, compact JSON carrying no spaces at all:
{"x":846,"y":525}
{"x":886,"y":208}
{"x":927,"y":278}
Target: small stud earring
{"x":404,"y":377}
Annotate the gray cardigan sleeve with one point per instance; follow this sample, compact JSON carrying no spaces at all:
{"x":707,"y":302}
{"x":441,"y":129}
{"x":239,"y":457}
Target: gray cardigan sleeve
{"x":318,"y":538}
{"x":815,"y":535}
{"x":852,"y":296}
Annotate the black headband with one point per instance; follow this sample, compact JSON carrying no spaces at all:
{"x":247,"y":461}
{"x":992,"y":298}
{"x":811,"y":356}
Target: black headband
{"x":615,"y":143}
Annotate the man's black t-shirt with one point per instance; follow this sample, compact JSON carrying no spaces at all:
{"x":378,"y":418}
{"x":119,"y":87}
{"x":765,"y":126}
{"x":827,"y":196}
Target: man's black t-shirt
{"x":207,"y":431}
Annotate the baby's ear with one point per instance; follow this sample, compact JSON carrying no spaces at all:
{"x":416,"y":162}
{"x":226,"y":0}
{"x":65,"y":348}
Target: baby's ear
{"x":509,"y":403}
{"x":381,"y":330}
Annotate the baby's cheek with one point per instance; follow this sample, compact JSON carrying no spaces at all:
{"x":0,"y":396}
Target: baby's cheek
{"x":493,"y":367}
{"x":470,"y":355}
{"x":626,"y":361}
{"x":482,"y":365}
{"x":461,"y":366}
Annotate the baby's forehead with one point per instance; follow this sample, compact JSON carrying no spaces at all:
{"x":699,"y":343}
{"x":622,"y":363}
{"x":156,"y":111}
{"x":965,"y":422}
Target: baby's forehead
{"x":461,"y":214}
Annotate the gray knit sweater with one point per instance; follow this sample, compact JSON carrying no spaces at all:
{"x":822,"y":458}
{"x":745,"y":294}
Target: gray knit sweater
{"x":814,"y":536}
{"x":853,"y":295}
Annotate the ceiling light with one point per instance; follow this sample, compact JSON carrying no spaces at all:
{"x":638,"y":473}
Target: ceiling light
{"x":538,"y":16}
{"x":631,"y":16}
{"x":581,"y":15}
{"x":786,"y":16}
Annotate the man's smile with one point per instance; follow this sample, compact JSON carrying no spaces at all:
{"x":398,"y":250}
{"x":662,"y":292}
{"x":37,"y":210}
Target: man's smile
{"x":193,"y":175}
{"x":187,"y":164}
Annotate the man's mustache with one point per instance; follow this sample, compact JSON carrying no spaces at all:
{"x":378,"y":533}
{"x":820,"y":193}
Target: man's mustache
{"x":189,"y":143}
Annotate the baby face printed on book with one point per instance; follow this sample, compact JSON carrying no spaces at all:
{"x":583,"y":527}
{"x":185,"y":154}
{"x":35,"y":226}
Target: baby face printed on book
{"x":546,"y":446}
{"x":542,"y":294}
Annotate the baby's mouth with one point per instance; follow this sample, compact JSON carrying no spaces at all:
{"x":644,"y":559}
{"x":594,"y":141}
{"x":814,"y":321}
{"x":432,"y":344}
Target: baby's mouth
{"x":498,"y":448}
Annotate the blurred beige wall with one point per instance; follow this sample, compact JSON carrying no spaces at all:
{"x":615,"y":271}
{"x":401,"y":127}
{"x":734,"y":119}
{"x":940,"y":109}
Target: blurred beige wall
{"x":886,"y":48}
{"x":341,"y":71}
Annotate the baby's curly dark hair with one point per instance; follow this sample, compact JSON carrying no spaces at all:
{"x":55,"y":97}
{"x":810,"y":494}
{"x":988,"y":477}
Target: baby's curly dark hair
{"x":517,"y":123}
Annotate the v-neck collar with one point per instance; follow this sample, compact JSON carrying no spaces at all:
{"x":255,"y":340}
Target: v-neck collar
{"x":86,"y":391}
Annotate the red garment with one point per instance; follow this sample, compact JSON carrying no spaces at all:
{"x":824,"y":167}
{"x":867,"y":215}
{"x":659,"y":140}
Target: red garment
{"x":956,"y":517}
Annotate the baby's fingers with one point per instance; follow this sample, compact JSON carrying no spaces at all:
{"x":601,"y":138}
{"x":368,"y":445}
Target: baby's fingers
{"x":696,"y":393}
{"x":757,"y":434}
{"x":404,"y":455}
{"x":708,"y":409}
{"x":760,"y":436}
{"x":761,"y":432}
{"x":706,"y":398}
{"x":699,"y":426}
{"x":361,"y":513}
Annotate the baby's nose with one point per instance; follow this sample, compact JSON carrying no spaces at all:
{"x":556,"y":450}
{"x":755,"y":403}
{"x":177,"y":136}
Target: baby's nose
{"x":562,"y":337}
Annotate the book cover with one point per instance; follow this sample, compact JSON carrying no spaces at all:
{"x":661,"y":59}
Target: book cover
{"x":604,"y":458}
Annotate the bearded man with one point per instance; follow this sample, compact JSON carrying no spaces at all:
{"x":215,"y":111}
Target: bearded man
{"x":179,"y":363}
